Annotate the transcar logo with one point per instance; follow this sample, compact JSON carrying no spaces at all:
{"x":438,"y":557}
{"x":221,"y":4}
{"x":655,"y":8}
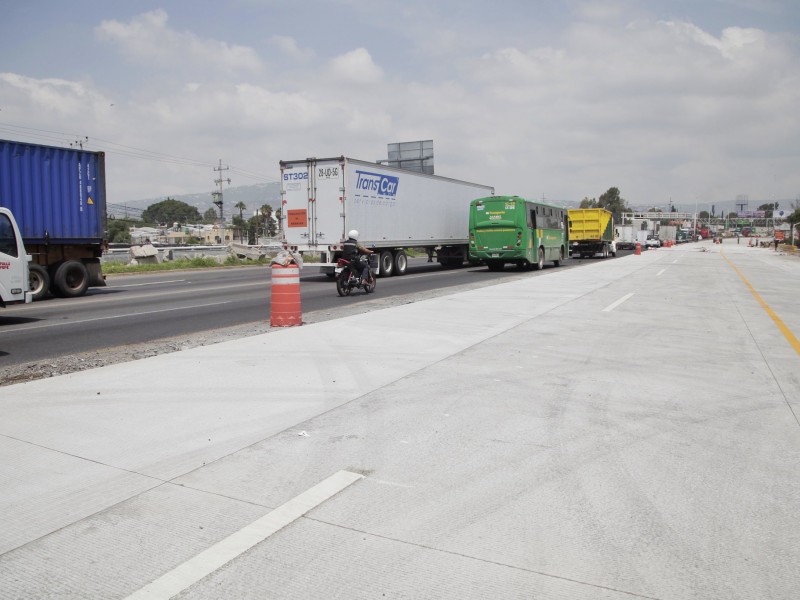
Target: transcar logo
{"x":290,"y":176}
{"x":384,"y":185}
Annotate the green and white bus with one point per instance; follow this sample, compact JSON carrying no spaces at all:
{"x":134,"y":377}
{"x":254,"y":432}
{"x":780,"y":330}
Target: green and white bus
{"x":510,"y":229}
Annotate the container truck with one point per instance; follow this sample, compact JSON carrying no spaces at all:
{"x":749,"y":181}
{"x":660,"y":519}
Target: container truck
{"x":58,"y":197}
{"x":591,"y":231}
{"x":392,"y":209}
{"x":13,"y":262}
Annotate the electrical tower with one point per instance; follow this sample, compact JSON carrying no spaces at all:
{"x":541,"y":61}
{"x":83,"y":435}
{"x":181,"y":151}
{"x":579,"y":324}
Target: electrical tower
{"x":217,"y":196}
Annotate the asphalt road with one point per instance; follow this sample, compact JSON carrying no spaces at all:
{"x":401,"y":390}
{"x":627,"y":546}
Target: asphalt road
{"x":135,"y":309}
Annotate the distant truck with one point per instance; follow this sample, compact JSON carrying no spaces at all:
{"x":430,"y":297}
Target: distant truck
{"x":393,"y":209}
{"x":591,"y":231}
{"x":58,"y":197}
{"x":668,"y":233}
{"x":626,"y":237}
{"x":13,"y":262}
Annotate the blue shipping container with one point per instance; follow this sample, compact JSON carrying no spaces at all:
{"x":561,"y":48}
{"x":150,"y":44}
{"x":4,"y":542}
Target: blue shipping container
{"x":57,"y":195}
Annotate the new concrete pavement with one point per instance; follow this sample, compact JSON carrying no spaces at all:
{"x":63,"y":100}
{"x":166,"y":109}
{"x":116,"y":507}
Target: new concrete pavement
{"x":625,"y":430}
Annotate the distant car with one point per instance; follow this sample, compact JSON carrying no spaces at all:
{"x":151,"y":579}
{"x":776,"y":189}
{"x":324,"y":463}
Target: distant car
{"x":653,"y":242}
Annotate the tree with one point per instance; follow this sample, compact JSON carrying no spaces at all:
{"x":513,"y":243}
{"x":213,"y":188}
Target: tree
{"x":588,"y":202}
{"x":119,"y":231}
{"x":210,"y":216}
{"x":170,"y":211}
{"x":270,"y":229}
{"x":703,"y":215}
{"x":613,"y":203}
{"x":242,"y":207}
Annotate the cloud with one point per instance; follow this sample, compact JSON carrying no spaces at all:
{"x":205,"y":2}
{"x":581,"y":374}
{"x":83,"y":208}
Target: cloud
{"x":289,"y":47}
{"x":147,"y":39}
{"x":356,"y":67}
{"x":51,"y":95}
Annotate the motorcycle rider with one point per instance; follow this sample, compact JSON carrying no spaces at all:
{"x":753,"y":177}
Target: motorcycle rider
{"x":357,"y":255}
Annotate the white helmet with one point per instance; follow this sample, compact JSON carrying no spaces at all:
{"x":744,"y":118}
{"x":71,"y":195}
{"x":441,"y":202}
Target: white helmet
{"x":353,"y":233}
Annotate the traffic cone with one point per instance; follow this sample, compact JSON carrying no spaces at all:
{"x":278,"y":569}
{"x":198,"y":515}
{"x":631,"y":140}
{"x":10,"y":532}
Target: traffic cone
{"x":285,"y":298}
{"x":638,"y":250}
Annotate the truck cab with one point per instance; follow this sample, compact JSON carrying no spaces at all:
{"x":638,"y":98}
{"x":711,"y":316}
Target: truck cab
{"x":14,"y":283}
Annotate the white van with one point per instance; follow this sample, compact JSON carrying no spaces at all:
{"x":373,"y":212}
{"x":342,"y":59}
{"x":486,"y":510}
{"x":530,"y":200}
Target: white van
{"x":14,"y":282}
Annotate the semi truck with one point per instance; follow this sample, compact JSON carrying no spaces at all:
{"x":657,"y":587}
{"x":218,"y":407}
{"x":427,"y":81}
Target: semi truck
{"x":13,"y":262}
{"x":591,"y":231}
{"x":58,"y":197}
{"x":392,"y":209}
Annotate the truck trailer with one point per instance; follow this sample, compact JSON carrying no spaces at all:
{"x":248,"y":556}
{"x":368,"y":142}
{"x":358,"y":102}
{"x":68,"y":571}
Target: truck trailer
{"x":13,"y":262}
{"x":392,"y":209}
{"x":58,"y":196}
{"x":591,"y":231}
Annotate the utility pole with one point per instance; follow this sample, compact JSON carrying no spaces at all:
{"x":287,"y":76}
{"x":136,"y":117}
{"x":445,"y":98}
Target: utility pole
{"x":218,"y":195}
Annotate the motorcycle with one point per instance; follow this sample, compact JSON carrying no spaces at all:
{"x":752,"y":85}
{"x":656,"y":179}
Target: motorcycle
{"x":347,"y":280}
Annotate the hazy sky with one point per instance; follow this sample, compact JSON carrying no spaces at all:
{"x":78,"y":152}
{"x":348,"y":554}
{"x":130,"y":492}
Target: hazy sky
{"x":697,"y":101}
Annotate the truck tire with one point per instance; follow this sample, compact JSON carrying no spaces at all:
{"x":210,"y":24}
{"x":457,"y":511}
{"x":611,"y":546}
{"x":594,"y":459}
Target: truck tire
{"x":386,"y":264}
{"x":39,"y":280}
{"x":400,"y":262}
{"x":539,"y":265}
{"x":71,"y":279}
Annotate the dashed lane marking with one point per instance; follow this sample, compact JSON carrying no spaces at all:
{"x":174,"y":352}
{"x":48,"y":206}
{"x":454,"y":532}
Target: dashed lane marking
{"x":614,"y":305}
{"x":221,"y":553}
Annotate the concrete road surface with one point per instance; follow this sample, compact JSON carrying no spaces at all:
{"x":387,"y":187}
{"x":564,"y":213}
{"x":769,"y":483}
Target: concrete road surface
{"x":625,"y":430}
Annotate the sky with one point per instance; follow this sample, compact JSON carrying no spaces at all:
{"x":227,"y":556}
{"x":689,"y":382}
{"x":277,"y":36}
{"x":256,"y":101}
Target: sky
{"x":693,"y":102}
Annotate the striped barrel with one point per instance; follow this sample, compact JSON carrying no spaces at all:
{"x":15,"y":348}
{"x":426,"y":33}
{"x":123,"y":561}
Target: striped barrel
{"x":285,"y":301}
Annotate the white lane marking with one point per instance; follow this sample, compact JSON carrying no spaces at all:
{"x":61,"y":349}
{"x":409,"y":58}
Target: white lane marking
{"x":674,"y":261}
{"x":148,"y":312}
{"x":661,"y":272}
{"x":614,"y":305}
{"x":150,"y":283}
{"x":208,"y":561}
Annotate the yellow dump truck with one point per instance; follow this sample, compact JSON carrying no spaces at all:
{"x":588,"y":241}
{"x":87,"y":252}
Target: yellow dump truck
{"x":591,"y":232}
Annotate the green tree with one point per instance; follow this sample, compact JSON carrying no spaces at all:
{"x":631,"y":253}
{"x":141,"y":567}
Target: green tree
{"x":119,"y":231}
{"x":270,"y":227}
{"x":210,"y":216}
{"x":588,"y":202}
{"x":170,"y":211}
{"x":242,"y":207}
{"x":613,"y":202}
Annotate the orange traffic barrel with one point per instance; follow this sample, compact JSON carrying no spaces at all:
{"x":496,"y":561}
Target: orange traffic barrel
{"x":638,"y":250}
{"x":285,"y":299}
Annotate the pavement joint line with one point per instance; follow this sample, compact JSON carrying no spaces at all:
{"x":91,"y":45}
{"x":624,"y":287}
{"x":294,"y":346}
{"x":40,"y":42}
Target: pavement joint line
{"x":224,"y":551}
{"x":787,"y":333}
{"x":614,"y":305}
{"x":661,"y":272}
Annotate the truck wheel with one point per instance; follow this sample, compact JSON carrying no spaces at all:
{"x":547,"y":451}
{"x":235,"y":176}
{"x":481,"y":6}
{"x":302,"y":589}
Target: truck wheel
{"x":71,"y":279}
{"x":400,"y":263}
{"x":540,"y":264}
{"x":39,"y":280}
{"x":560,"y":257}
{"x":386,"y":264}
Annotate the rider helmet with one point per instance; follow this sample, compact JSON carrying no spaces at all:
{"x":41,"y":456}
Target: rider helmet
{"x":353,"y":234}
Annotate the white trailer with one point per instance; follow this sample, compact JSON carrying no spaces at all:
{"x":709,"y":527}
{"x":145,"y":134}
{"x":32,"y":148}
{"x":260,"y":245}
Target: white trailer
{"x":14,"y":275}
{"x":393,"y":209}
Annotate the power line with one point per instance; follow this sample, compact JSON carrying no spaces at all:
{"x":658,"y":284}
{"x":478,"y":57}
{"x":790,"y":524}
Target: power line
{"x":68,"y":139}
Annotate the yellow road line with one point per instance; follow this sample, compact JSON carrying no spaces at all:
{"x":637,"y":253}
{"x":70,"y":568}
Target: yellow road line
{"x":787,"y":333}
